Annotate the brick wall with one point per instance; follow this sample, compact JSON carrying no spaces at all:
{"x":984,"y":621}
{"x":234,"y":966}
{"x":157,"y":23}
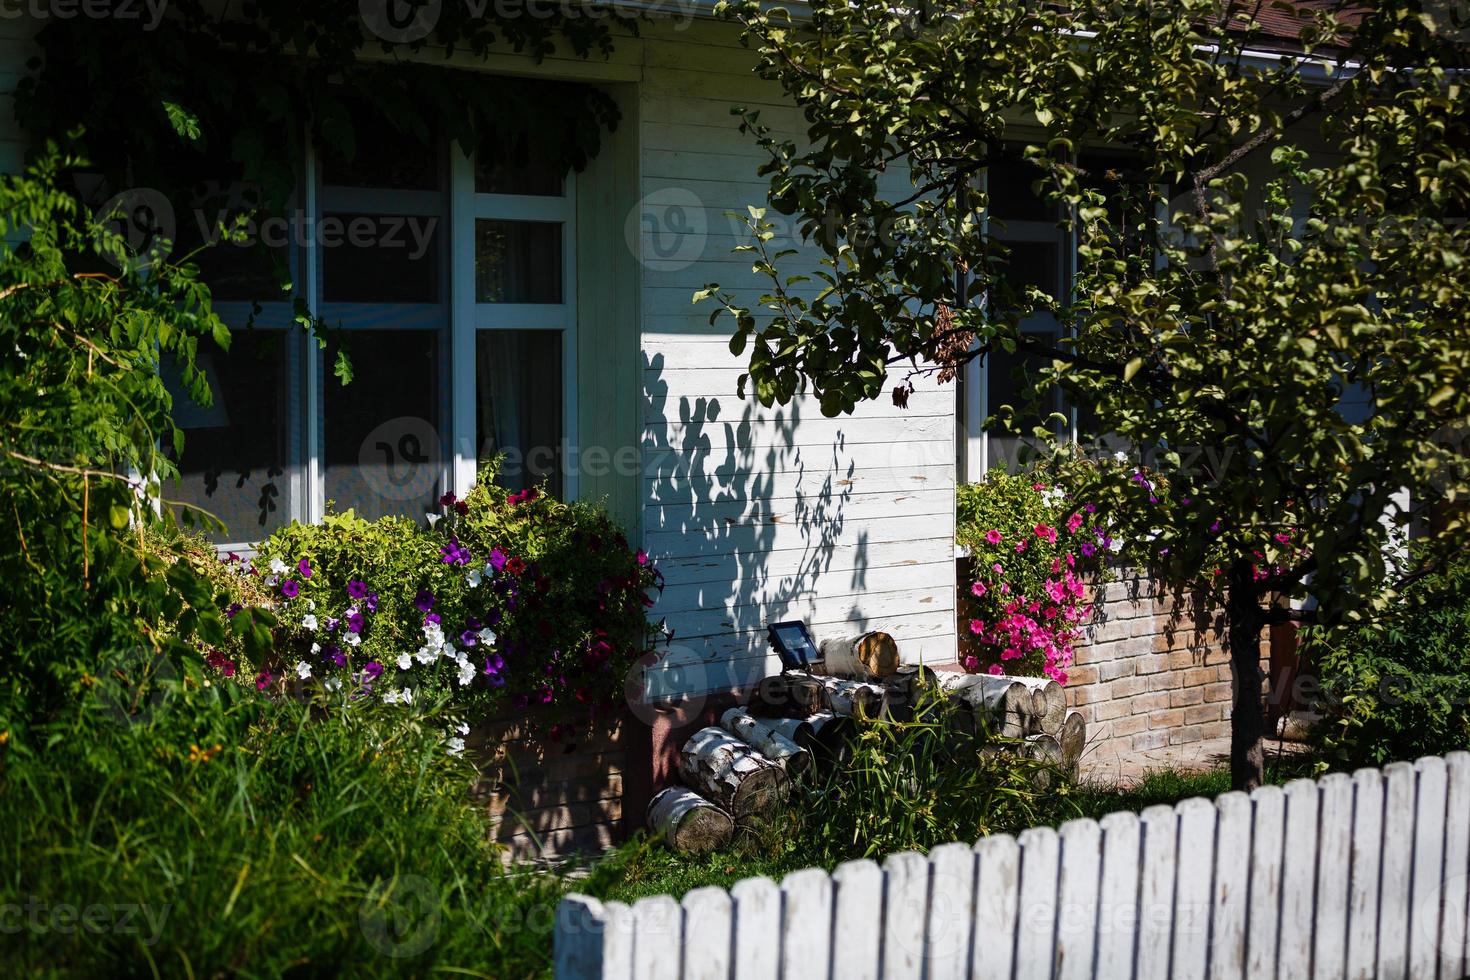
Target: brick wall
{"x":1153,"y":670}
{"x":546,"y":799}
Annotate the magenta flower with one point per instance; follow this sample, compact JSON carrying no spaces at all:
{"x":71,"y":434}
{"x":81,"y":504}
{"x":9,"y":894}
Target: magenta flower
{"x":497,"y":559}
{"x":977,"y":626}
{"x":263,"y":680}
{"x":995,"y":670}
{"x":1046,"y":533}
{"x":993,"y":537}
{"x":355,"y":623}
{"x":642,"y":557}
{"x":1073,"y":523}
{"x":978,"y":590}
{"x":304,"y":567}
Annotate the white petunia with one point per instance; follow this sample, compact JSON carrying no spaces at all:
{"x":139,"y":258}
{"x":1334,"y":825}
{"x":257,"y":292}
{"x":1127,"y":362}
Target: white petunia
{"x":303,"y":669}
{"x":308,"y":622}
{"x":1117,"y":545}
{"x":352,"y":640}
{"x":406,"y":695}
{"x":456,"y":746}
{"x":390,"y":696}
{"x":448,"y":650}
{"x":433,"y":518}
{"x":334,"y":683}
{"x":1120,"y":457}
{"x":487,"y":636}
{"x":474,"y":578}
{"x":316,"y":648}
{"x":404,"y":661}
{"x":426,"y":655}
{"x":462,"y":728}
{"x":466,"y":672}
{"x":278,"y":567}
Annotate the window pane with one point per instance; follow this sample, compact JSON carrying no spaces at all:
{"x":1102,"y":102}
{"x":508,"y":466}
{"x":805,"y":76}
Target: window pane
{"x":517,"y":262}
{"x":1036,"y":264}
{"x":518,"y":382}
{"x":380,"y":155}
{"x":1010,"y":379}
{"x":1008,"y":185}
{"x":381,"y":439}
{"x":238,"y":449}
{"x":253,"y":270}
{"x":380,"y":258}
{"x":494,"y":175}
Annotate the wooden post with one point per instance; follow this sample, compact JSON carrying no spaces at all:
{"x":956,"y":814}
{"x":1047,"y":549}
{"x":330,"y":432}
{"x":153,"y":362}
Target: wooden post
{"x":866,"y":657}
{"x":688,"y":822}
{"x":732,"y":774}
{"x":765,"y":738}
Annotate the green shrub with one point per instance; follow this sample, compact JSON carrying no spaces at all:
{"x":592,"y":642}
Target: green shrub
{"x":224,"y":833}
{"x":506,"y":599}
{"x":1033,"y":550}
{"x":920,"y":783}
{"x":1399,"y":688}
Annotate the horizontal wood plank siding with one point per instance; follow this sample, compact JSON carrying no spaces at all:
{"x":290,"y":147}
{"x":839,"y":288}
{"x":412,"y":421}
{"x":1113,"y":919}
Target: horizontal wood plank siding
{"x":760,"y":514}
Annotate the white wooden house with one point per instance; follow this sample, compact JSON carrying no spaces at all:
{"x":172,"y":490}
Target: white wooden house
{"x":558,"y":323}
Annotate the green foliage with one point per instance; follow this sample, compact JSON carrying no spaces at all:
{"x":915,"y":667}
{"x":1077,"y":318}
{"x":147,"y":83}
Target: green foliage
{"x":1033,"y":547}
{"x":920,"y":783}
{"x":83,"y":322}
{"x":1269,"y":243}
{"x":241,"y":835}
{"x":1400,"y":688}
{"x":506,"y":600}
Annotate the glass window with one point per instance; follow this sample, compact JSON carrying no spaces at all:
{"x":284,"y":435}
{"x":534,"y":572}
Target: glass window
{"x":382,"y":439}
{"x":518,"y":405}
{"x":237,"y":450}
{"x":1011,"y":379}
{"x":517,"y":261}
{"x":495,"y":175}
{"x":379,"y":258}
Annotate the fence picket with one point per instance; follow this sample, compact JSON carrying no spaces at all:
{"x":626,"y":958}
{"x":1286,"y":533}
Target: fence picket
{"x":1347,"y":878}
{"x":997,"y":907}
{"x":951,"y":912}
{"x":1232,"y":887}
{"x":1156,"y":891}
{"x":1454,"y":958}
{"x":1036,"y":925}
{"x":658,"y":938}
{"x":806,"y":924}
{"x":1362,"y":948}
{"x":906,"y":878}
{"x":1298,"y":880}
{"x":1398,"y":865}
{"x":1191,"y":919}
{"x":757,"y":929}
{"x":1334,"y":857}
{"x":858,"y":920}
{"x":1429,"y":869}
{"x":708,"y":929}
{"x":1118,"y":905}
{"x":1077,"y":912}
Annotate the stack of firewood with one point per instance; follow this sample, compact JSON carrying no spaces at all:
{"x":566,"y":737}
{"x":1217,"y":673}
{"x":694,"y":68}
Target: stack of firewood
{"x":738,"y":773}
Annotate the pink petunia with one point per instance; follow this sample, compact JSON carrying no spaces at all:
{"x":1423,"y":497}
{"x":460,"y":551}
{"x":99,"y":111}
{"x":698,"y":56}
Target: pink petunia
{"x":993,"y":537}
{"x":978,"y":590}
{"x":995,"y":670}
{"x":977,"y":626}
{"x":1073,"y":523}
{"x":1046,"y":533}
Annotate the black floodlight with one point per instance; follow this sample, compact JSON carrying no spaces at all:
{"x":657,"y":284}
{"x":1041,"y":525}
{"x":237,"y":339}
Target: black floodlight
{"x":794,"y":645}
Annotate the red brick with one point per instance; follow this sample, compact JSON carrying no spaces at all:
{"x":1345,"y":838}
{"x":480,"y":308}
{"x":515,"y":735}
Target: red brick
{"x":1167,"y":681}
{"x":1144,"y":741}
{"x":1186,"y":697}
{"x":1203,"y":713}
{"x":1129,"y":726}
{"x":1166,"y":719}
{"x":1218,"y":692}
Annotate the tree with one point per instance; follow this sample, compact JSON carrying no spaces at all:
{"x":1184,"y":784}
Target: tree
{"x":1288,"y":237}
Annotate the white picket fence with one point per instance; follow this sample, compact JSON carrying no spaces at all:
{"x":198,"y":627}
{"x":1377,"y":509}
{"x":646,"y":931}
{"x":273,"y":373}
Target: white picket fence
{"x":1361,"y":876}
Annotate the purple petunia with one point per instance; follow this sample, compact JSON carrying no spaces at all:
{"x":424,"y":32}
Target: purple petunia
{"x":497,"y":559}
{"x":424,"y":601}
{"x":357,"y":588}
{"x":355,"y":623}
{"x":454,"y":553}
{"x":234,"y":607}
{"x":372,"y":669}
{"x":334,"y":653}
{"x":431,"y":618}
{"x":469,"y":638}
{"x":304,"y":567}
{"x":289,"y":588}
{"x":371,"y":602}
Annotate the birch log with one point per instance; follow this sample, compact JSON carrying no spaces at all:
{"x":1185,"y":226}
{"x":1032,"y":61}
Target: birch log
{"x":688,"y":822}
{"x":1045,"y":749}
{"x":764,"y":737}
{"x":853,"y":699}
{"x":865,"y":657}
{"x":1003,"y":702}
{"x":1072,"y":738}
{"x":1049,"y":704}
{"x":830,"y":739}
{"x":789,"y":695}
{"x":731,"y":773}
{"x":905,"y":688}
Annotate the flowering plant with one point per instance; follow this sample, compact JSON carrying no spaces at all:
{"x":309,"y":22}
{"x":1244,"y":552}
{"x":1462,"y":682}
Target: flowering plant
{"x":504,"y":599}
{"x":1034,"y":549}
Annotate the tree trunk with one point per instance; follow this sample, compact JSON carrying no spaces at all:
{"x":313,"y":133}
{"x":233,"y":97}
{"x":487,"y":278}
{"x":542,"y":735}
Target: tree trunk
{"x":688,"y":822}
{"x":732,"y":774}
{"x":866,"y":657}
{"x":1244,"y":620}
{"x":765,"y":738}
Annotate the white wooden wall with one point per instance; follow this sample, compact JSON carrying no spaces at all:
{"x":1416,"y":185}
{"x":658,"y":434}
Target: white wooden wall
{"x":1361,"y":876}
{"x":758,"y":515}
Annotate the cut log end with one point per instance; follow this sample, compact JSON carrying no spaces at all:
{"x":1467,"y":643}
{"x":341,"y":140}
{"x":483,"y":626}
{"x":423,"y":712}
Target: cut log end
{"x":689,"y":823}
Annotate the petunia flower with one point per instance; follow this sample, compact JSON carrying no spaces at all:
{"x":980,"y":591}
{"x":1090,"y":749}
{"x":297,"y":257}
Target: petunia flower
{"x":303,"y":669}
{"x":424,"y":601}
{"x":357,"y":589}
{"x":405,"y":661}
{"x":993,"y":537}
{"x":497,"y":559}
{"x":372,"y":669}
{"x":263,"y":680}
{"x":355,"y":623}
{"x":304,"y":567}
{"x":289,"y":588}
{"x":978,"y":590}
